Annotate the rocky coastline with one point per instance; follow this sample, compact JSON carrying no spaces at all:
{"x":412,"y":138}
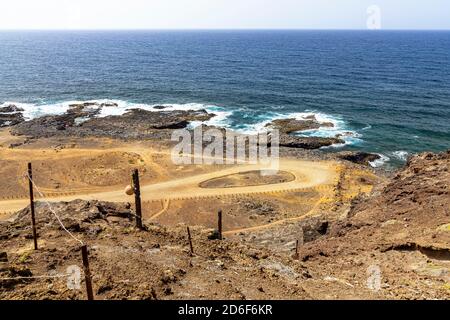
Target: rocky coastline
{"x":10,"y":115}
{"x":84,"y":120}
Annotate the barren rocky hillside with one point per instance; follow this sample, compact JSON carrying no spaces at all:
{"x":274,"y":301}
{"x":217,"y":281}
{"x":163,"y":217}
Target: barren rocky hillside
{"x":403,"y":229}
{"x":399,"y":238}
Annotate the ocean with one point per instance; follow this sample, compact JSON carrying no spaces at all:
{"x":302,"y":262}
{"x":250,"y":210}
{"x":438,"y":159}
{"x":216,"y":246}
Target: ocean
{"x":388,"y":92}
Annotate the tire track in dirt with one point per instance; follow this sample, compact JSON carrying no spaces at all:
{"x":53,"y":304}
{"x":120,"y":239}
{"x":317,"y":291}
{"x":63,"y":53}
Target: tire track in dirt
{"x":320,"y":176}
{"x":278,"y":222}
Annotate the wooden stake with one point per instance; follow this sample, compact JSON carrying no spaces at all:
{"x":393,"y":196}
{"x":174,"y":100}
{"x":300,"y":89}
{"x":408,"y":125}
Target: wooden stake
{"x":137,"y":197}
{"x":220,"y":224}
{"x":33,"y":219}
{"x":296,"y":249}
{"x":190,"y":241}
{"x":87,"y":273}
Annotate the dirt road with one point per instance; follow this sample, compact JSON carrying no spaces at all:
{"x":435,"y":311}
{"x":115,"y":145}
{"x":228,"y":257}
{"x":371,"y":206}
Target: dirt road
{"x":307,"y":174}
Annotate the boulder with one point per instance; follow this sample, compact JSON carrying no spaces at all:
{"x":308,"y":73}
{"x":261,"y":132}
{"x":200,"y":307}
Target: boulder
{"x":109,"y":104}
{"x":313,"y":229}
{"x":10,"y":108}
{"x":288,"y":126}
{"x":10,"y":119}
{"x":363,"y":158}
{"x":309,"y":143}
{"x":93,"y":104}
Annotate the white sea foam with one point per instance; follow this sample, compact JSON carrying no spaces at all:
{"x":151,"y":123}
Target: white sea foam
{"x":32,"y":111}
{"x":124,"y":106}
{"x":400,"y":155}
{"x":259,"y":127}
{"x":380,"y":162}
{"x":221,"y":118}
{"x":339,"y":127}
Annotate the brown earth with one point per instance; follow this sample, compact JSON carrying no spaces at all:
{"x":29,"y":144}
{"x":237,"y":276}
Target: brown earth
{"x":248,"y":179}
{"x":345,"y":229}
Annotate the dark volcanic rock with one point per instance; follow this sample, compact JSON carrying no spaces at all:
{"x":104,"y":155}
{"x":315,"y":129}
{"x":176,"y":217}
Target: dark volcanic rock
{"x":109,"y":104}
{"x":313,"y":229}
{"x":51,"y":125}
{"x":293,"y":125}
{"x":358,"y":157}
{"x":10,"y":115}
{"x":288,"y":126}
{"x":307,"y":142}
{"x":135,"y":124}
{"x":10,"y":108}
{"x":86,"y":111}
{"x":93,"y":104}
{"x":10,"y":119}
{"x":138,"y":121}
{"x":48,"y":126}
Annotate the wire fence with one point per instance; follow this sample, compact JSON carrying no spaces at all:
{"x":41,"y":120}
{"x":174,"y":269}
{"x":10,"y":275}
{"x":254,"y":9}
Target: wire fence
{"x":58,"y":218}
{"x":84,"y":250}
{"x":53,"y":211}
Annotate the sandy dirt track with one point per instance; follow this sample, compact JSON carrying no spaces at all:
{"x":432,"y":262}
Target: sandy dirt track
{"x":308,"y":174}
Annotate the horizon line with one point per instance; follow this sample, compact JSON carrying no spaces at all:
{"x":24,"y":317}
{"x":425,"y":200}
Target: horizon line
{"x":222,"y":29}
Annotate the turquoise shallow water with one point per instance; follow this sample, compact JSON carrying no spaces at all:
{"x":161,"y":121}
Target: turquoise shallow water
{"x":389,"y":90}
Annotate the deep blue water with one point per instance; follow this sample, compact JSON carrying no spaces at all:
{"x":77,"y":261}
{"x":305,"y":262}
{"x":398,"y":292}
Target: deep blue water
{"x":391,"y":88}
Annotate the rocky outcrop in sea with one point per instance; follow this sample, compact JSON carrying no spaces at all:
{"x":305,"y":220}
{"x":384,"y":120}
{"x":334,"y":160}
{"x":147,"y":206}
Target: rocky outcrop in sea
{"x":86,"y":120}
{"x":82,"y":120}
{"x":10,"y":115}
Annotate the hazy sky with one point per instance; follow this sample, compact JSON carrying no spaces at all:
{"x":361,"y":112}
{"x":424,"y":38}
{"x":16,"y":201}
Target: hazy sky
{"x":220,"y":14}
